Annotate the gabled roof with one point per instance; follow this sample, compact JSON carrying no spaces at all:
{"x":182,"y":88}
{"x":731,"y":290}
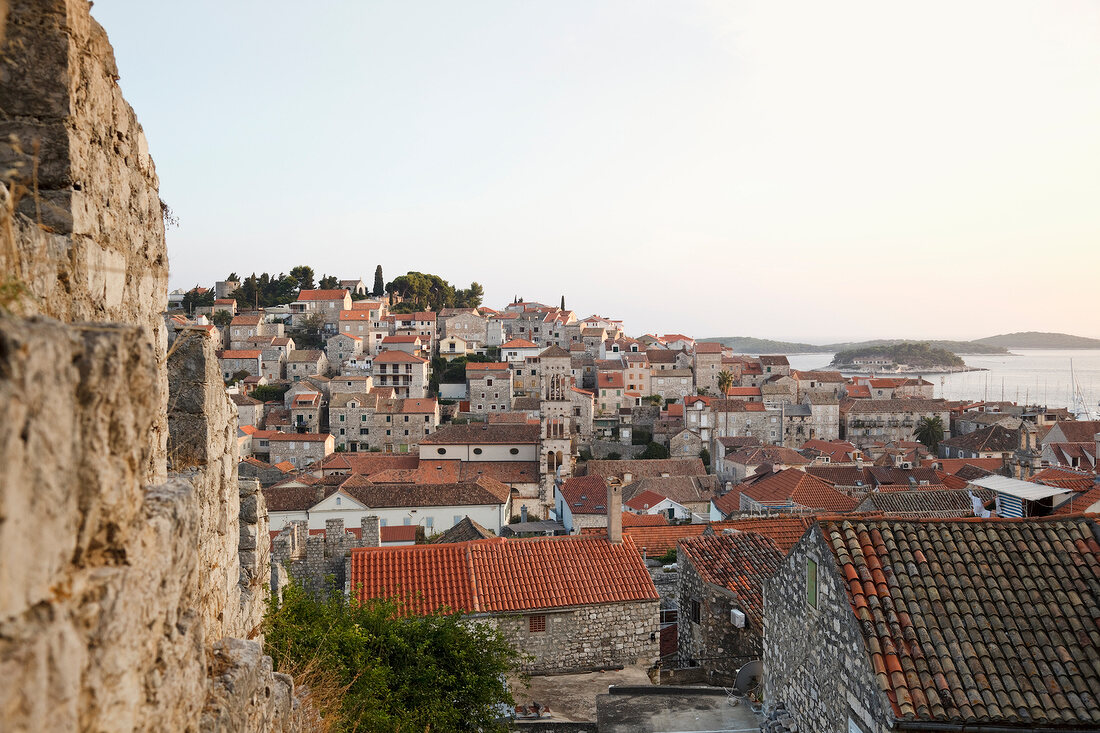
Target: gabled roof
{"x":474,"y":366}
{"x":1065,"y":478}
{"x":954,"y":465}
{"x":307,"y":356}
{"x":245,"y":321}
{"x":1079,"y":431}
{"x":585,"y":494}
{"x":773,"y":454}
{"x":797,"y":487}
{"x":647,"y":468}
{"x":785,"y":532}
{"x":957,"y":616}
{"x":739,"y":562}
{"x":995,"y":438}
{"x":322,"y":295}
{"x":484,"y":434}
{"x":465,"y":531}
{"x":644,"y":500}
{"x":553,"y":352}
{"x":242,"y":354}
{"x":942,"y":503}
{"x":519,"y":344}
{"x":398,"y":357}
{"x":504,"y":575}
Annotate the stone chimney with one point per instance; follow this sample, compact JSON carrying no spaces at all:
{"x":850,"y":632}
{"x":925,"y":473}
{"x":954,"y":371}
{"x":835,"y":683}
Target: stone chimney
{"x":614,"y":511}
{"x":370,"y":533}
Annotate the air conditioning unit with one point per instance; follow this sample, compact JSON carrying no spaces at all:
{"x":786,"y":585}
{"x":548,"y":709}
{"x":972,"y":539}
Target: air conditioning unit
{"x":737,"y":618}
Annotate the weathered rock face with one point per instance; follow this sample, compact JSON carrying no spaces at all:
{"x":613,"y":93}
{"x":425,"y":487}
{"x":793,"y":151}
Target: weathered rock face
{"x":121,"y":589}
{"x":75,"y":162}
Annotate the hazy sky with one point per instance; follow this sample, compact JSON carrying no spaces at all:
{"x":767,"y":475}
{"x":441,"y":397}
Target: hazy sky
{"x":802,"y":170}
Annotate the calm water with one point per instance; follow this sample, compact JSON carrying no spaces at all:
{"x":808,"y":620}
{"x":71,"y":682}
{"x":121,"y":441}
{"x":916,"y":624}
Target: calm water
{"x":1038,"y":376}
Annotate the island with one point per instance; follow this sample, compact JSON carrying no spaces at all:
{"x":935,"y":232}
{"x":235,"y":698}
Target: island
{"x":906,"y":357}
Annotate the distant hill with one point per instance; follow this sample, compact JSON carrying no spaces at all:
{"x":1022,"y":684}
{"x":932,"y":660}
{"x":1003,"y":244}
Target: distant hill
{"x":1040,"y":340}
{"x":913,"y":354}
{"x":750,"y":345}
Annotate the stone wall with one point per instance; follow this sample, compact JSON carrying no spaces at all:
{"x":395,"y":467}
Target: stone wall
{"x":585,"y":638}
{"x":90,"y":244}
{"x":318,"y":562}
{"x":713,"y":643}
{"x":815,"y":663}
{"x":121,"y":585}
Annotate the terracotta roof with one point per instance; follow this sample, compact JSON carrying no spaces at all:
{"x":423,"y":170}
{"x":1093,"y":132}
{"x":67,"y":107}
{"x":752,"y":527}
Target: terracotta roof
{"x":1065,"y":478}
{"x":952,"y":465}
{"x":971,"y":472}
{"x":398,"y":357}
{"x":861,"y":391}
{"x":773,"y":454}
{"x":774,"y":360}
{"x":794,"y":486}
{"x":1080,"y":502}
{"x":400,"y":339}
{"x":743,"y":392}
{"x":739,"y":562}
{"x":841,"y":475}
{"x":647,"y":468}
{"x":366,"y":463}
{"x":501,"y":575}
{"x":585,"y":494}
{"x":957,"y":616}
{"x":818,"y":376}
{"x":487,"y":366}
{"x":898,"y":405}
{"x":644,"y":500}
{"x":653,"y":541}
{"x":354,"y":315}
{"x":465,"y":531}
{"x":995,"y":438}
{"x":610,"y":380}
{"x":322,"y":295}
{"x":643,"y":520}
{"x":242,"y":354}
{"x":922,"y":502}
{"x":883,"y":475}
{"x":285,"y":466}
{"x":681,"y":489}
{"x":484,"y":434}
{"x":397,"y":533}
{"x":1079,"y":431}
{"x":1069,"y":453}
{"x":299,"y":437}
{"x":245,"y":321}
{"x":552,"y":352}
{"x":785,"y":532}
{"x":306,"y":356}
{"x":519,"y":344}
{"x":708,"y":347}
{"x":739,"y":442}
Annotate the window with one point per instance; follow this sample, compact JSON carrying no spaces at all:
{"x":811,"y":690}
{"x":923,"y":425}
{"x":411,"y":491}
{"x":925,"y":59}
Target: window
{"x":536,"y":624}
{"x":456,"y":519}
{"x":338,"y":501}
{"x":696,"y":612}
{"x":488,"y":383}
{"x":811,"y":583}
{"x":514,"y":451}
{"x":383,"y":522}
{"x":407,"y":521}
{"x":477,"y":451}
{"x":429,"y":522}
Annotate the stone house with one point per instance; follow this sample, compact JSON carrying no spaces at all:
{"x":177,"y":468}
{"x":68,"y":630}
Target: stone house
{"x":233,"y":362}
{"x":610,"y":393}
{"x":685,"y":444}
{"x":744,"y":462}
{"x":401,"y":423}
{"x":409,"y":343}
{"x":636,"y":374}
{"x":366,"y":326}
{"x":775,"y":364}
{"x":328,"y":303}
{"x":351,"y":420}
{"x":350,"y":384}
{"x":721,"y":601}
{"x":706,"y":366}
{"x":246,"y":326}
{"x":274,"y":357}
{"x":306,"y":363}
{"x":300,"y":449}
{"x":516,"y":351}
{"x":421,"y":323}
{"x":651,"y":503}
{"x":341,"y":348}
{"x":693,"y":493}
{"x":405,"y":373}
{"x":468,"y":326}
{"x":435,"y":507}
{"x":249,"y":411}
{"x":305,"y":412}
{"x":583,"y":405}
{"x":355,"y":286}
{"x":821,"y":382}
{"x":489,"y":387}
{"x":968,"y":651}
{"x":673,"y":385}
{"x":883,"y":421}
{"x":995,"y":441}
{"x":529,"y":589}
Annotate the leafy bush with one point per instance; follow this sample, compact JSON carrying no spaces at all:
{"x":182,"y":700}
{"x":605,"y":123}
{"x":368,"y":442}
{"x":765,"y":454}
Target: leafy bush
{"x":269,"y":392}
{"x":654,"y":450}
{"x":368,"y":667}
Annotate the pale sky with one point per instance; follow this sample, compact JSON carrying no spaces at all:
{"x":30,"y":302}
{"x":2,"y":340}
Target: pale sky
{"x":799,"y":170}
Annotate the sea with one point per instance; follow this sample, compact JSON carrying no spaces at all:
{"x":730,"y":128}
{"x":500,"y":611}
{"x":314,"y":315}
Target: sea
{"x":1031,"y":376}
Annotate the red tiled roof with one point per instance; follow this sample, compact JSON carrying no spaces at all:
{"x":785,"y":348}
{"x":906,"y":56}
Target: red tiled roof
{"x":484,"y":434}
{"x":708,"y":347}
{"x":501,"y":575}
{"x":585,"y":494}
{"x":739,"y":561}
{"x":610,"y":380}
{"x":643,"y":500}
{"x":398,"y":357}
{"x":646,"y":467}
{"x":354,"y":315}
{"x":1080,"y":501}
{"x":785,"y":532}
{"x":519,"y":344}
{"x":797,"y":487}
{"x":398,"y":533}
{"x":322,"y":295}
{"x":245,"y":321}
{"x":487,"y":366}
{"x":299,"y":437}
{"x":242,"y":354}
{"x":1065,"y":478}
{"x":958,"y":616}
{"x":643,"y":520}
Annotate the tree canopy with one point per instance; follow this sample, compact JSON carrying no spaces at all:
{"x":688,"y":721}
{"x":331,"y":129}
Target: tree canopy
{"x":370,"y":667}
{"x":428,"y":292}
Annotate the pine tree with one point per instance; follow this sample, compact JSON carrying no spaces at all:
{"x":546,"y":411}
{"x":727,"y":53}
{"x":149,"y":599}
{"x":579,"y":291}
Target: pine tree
{"x":563,"y":302}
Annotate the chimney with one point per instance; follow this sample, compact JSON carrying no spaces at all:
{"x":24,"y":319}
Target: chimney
{"x":614,"y":511}
{"x":370,"y":532}
{"x":523,"y":513}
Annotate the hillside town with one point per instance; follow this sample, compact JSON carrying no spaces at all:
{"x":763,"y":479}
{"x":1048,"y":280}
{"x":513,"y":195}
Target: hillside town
{"x":837,"y":552}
